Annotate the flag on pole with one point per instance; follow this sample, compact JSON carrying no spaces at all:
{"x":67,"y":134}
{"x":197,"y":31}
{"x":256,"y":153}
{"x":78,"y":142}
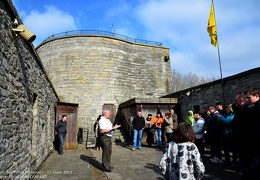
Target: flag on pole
{"x":212,"y":28}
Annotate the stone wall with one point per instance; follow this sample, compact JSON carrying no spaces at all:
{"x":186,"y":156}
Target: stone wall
{"x":96,"y":70}
{"x":87,"y":70}
{"x":209,"y":94}
{"x":27,"y":113}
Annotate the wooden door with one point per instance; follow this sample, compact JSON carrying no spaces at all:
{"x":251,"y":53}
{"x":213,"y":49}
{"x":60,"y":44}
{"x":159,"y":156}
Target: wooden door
{"x":71,"y":136}
{"x":112,"y":109}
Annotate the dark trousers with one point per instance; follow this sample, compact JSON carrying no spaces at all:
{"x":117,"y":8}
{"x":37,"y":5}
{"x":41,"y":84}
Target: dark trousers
{"x":200,"y":145}
{"x":215,"y":146}
{"x":62,"y":138}
{"x":106,"y":145}
{"x":163,"y":138}
{"x":246,"y":162}
{"x":169,"y":137}
{"x":227,"y":147}
{"x":149,"y":139}
{"x":98,"y":141}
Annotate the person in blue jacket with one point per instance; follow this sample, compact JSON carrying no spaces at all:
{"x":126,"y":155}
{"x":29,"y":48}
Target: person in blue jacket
{"x":226,"y":119}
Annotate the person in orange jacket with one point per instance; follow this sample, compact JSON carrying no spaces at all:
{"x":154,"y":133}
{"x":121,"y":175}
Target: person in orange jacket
{"x":157,"y":123}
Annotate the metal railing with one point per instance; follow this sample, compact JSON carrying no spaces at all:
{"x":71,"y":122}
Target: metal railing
{"x":102,"y":33}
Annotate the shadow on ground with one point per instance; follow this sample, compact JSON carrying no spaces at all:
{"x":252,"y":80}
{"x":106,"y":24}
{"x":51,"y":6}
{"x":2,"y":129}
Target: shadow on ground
{"x":92,"y":161}
{"x":155,"y":168}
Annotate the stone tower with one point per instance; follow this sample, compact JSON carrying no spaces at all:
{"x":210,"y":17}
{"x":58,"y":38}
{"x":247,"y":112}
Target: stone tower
{"x":94,"y":70}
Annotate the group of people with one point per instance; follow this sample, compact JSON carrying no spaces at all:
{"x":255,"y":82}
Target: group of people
{"x":182,"y":159}
{"x":181,"y":143}
{"x":157,"y":126}
{"x":234,"y":129}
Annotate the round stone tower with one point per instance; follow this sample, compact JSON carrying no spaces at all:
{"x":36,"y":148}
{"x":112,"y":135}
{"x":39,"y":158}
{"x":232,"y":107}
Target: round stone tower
{"x":94,"y":70}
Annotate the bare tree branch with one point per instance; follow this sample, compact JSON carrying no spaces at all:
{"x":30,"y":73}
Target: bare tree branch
{"x":181,"y":82}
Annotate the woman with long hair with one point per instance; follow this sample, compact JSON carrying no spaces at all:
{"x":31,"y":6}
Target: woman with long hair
{"x":97,"y":134}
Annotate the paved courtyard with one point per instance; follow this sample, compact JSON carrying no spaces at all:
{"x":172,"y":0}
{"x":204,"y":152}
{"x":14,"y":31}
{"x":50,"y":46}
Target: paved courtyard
{"x":83,"y":164}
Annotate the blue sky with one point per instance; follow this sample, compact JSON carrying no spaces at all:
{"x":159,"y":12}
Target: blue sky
{"x":180,"y":25}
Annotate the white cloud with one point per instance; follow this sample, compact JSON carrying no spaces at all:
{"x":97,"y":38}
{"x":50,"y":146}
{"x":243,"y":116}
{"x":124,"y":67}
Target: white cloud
{"x":181,"y":25}
{"x":51,"y":21}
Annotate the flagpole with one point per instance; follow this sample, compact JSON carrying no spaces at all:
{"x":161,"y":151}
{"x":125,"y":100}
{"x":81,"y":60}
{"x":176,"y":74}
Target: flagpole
{"x":222,"y":83}
{"x":220,"y":69}
{"x":219,"y":61}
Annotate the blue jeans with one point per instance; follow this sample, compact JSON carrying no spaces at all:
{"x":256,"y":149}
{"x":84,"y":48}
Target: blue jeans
{"x":158,"y":136}
{"x":61,"y":142}
{"x":138,"y":136}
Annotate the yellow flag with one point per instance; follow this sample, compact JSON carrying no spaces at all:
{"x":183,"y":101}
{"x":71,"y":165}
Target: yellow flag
{"x":212,"y":29}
